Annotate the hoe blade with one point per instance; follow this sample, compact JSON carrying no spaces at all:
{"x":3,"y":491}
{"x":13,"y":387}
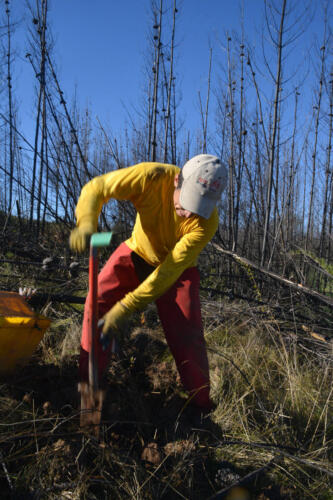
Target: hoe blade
{"x":91,"y":407}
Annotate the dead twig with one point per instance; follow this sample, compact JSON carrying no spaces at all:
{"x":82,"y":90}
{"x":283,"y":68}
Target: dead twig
{"x":6,"y":472}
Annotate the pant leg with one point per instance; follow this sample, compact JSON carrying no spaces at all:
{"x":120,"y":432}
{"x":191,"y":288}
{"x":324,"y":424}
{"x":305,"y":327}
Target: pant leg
{"x":180,"y":315}
{"x":117,"y":278}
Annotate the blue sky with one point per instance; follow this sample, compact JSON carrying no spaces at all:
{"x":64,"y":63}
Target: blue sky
{"x":101,"y":47}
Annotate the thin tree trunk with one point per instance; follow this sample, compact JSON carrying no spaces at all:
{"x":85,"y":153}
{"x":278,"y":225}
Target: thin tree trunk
{"x":174,"y":130}
{"x":42,"y":29}
{"x":167,"y":118}
{"x":241,"y":140}
{"x":328,"y":185}
{"x":150,"y":119}
{"x":273,"y":139}
{"x":231,"y":156}
{"x":277,"y":229}
{"x":47,"y":171}
{"x":41,"y":167}
{"x":328,"y":177}
{"x":204,"y":146}
{"x":314,"y":152}
{"x":261,"y":117}
{"x":10,"y":110}
{"x":291,"y":182}
{"x":34,"y":164}
{"x":156,"y":84}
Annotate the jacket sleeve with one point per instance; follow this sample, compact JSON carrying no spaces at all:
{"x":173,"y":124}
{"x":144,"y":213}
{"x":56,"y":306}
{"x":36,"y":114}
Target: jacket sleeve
{"x":123,"y":184}
{"x":182,"y":256}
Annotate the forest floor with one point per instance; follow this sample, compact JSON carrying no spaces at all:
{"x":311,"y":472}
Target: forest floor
{"x":271,"y":431}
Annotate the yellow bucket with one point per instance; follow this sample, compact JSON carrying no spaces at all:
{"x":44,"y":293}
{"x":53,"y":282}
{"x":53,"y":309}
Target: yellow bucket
{"x":21,"y":330}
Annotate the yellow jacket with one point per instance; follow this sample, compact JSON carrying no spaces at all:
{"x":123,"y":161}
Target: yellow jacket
{"x":163,"y":239}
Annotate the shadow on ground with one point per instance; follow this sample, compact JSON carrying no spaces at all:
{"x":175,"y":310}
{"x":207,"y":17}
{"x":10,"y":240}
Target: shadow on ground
{"x":151,"y":442}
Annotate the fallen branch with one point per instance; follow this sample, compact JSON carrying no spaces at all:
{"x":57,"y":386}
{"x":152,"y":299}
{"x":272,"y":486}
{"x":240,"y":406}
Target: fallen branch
{"x":296,"y":286}
{"x":279,"y":452}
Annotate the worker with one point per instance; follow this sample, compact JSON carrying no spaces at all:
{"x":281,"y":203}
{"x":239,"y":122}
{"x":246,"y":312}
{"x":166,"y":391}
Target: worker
{"x":176,"y":218}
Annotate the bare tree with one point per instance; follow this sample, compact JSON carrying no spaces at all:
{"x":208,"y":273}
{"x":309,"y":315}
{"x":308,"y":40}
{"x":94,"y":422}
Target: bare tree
{"x":170,"y":88}
{"x":285,"y":24}
{"x":280,"y":45}
{"x":317,"y":114}
{"x":158,"y":14}
{"x":10,"y":109}
{"x":205,"y":117}
{"x":328,"y":192}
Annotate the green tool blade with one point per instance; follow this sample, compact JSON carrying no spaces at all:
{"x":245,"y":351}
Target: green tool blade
{"x":100,"y":239}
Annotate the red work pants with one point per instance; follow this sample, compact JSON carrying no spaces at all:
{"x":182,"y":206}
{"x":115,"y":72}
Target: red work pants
{"x":180,"y":315}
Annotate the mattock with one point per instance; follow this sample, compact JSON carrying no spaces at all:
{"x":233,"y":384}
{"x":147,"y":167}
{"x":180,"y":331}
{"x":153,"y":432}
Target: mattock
{"x":92,"y":396}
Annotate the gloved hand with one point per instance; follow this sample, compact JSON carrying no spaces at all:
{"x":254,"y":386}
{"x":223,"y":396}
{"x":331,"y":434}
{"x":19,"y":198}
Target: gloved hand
{"x":113,"y":321}
{"x":80,"y":236}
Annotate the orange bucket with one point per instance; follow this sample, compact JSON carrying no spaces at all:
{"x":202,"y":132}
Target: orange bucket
{"x":21,"y":330}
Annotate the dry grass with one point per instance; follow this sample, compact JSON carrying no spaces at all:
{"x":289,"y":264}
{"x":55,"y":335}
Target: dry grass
{"x":273,"y":391}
